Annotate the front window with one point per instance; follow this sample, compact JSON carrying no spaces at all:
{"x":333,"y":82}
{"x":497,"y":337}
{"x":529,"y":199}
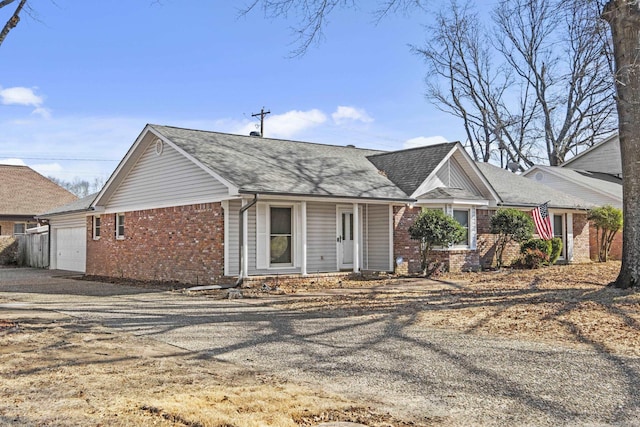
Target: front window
{"x":280,"y":235}
{"x":120,"y":226}
{"x":462,"y":216}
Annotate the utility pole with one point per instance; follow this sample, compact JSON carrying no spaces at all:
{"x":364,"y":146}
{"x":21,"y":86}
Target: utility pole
{"x":262,"y":113}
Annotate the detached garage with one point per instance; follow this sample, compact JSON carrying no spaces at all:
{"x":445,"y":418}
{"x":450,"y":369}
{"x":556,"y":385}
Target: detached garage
{"x":68,"y":231}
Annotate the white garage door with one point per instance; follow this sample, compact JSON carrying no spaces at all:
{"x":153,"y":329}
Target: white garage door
{"x":71,"y":244}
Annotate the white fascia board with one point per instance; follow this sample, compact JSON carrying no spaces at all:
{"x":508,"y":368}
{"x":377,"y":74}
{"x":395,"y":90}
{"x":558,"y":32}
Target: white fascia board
{"x":478,"y":172}
{"x":323,"y":199}
{"x":452,"y":202}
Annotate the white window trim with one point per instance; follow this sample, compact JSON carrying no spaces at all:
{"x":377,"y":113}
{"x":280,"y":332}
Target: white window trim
{"x":93,"y":227}
{"x":472,"y":229}
{"x":263,"y":236}
{"x":118,"y":235}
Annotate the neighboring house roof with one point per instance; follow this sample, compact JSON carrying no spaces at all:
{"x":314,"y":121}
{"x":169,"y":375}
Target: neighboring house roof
{"x":274,"y":166}
{"x":25,"y":192}
{"x":516,"y":190}
{"x":408,"y":169}
{"x":79,"y":205}
{"x":606,"y":184}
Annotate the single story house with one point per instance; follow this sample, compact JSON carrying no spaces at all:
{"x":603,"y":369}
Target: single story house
{"x":203,"y":207}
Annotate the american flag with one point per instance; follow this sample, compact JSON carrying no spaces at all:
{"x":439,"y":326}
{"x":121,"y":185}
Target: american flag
{"x":543,"y":222}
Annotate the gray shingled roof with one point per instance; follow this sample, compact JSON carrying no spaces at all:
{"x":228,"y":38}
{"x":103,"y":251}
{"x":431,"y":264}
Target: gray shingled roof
{"x":79,"y":205}
{"x":263,"y":165}
{"x":517,"y":190}
{"x":409,"y":168}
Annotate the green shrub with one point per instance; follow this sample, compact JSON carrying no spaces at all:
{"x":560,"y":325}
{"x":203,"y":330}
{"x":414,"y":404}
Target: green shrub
{"x":556,"y":250}
{"x":608,"y":221}
{"x":511,"y":225}
{"x":535,"y":252}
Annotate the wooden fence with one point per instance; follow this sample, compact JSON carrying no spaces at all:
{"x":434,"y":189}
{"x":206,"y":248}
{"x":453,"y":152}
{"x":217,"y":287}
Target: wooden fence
{"x":33,"y":248}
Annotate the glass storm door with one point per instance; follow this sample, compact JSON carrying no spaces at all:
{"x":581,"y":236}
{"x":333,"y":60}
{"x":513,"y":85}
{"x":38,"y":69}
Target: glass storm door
{"x":345,"y":238}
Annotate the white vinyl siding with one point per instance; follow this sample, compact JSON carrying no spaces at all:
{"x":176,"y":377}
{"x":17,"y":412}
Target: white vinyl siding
{"x":573,"y":189}
{"x":168,"y":179}
{"x":605,"y":158}
{"x":321,"y":238}
{"x":232,"y":236}
{"x":376,"y":255}
{"x":452,"y":175}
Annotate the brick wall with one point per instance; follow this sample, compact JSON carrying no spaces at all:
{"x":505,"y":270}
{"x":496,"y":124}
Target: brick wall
{"x":616,"y":246}
{"x":581,"y":246}
{"x":409,"y":249}
{"x":487,"y":242}
{"x":183,"y":244}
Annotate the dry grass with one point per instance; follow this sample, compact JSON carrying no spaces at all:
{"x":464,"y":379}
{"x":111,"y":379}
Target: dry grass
{"x":61,"y":373}
{"x":564,"y":304}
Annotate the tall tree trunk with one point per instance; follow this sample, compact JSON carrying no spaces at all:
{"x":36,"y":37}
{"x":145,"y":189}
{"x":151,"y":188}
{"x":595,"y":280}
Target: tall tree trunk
{"x":624,"y":19}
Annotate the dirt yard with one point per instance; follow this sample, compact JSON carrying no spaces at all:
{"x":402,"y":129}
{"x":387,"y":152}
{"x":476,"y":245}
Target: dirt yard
{"x":57,"y":371}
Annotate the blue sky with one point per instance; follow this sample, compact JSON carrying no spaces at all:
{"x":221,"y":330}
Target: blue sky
{"x":80,"y":80}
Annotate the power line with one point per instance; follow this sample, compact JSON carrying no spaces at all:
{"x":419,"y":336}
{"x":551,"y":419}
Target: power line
{"x":60,"y":158}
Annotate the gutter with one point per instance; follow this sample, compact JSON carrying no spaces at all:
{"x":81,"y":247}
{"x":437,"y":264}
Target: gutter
{"x":241,"y":237}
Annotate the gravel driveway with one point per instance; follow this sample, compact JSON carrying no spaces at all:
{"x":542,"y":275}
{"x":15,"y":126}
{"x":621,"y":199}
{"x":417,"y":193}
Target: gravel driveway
{"x":385,"y":358}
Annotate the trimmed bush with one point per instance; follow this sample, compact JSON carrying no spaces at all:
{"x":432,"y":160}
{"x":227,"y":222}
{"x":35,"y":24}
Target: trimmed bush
{"x":511,"y":225}
{"x":556,"y":250}
{"x":535,"y":253}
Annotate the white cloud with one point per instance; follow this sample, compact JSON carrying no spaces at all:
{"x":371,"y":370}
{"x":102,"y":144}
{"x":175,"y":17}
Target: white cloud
{"x":348,"y":114}
{"x":26,"y":97}
{"x":20,"y":96}
{"x":286,"y":125}
{"x":421,"y":141}
{"x":48,"y":169}
{"x":12,"y":161}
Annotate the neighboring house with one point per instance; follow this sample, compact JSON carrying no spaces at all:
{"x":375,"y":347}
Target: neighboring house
{"x":594,"y":175}
{"x":68,"y":234}
{"x":201,"y":207}
{"x":24,"y":193}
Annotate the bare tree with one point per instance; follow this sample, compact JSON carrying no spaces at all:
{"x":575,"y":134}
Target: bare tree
{"x":13,"y":20}
{"x":537,"y":85}
{"x":623,"y":17}
{"x":312,"y":16}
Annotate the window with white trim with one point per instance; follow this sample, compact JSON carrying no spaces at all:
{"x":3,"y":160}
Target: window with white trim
{"x":96,"y":227}
{"x":280,"y":235}
{"x":120,"y":226}
{"x":19,"y":228}
{"x":462,"y":217}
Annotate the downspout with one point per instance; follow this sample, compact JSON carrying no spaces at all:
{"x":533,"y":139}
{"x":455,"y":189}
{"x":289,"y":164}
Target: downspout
{"x":241,"y":234}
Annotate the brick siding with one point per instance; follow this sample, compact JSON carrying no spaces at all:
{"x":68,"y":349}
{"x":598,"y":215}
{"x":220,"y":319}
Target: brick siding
{"x":616,"y":246}
{"x":183,"y":244}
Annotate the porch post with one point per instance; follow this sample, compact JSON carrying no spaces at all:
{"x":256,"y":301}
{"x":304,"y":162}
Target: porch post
{"x":569,"y":238}
{"x":356,"y":238}
{"x":303,"y":232}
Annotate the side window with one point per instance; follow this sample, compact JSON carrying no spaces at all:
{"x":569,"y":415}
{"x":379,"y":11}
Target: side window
{"x":120,"y":226}
{"x":19,"y":228}
{"x":96,"y":227}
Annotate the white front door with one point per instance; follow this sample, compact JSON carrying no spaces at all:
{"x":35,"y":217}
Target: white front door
{"x":345,"y":238}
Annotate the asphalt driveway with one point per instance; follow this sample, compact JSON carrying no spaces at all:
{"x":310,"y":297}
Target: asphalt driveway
{"x":384,"y":357}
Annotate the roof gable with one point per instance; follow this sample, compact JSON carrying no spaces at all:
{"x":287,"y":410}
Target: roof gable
{"x":24,"y":191}
{"x":602,"y":157}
